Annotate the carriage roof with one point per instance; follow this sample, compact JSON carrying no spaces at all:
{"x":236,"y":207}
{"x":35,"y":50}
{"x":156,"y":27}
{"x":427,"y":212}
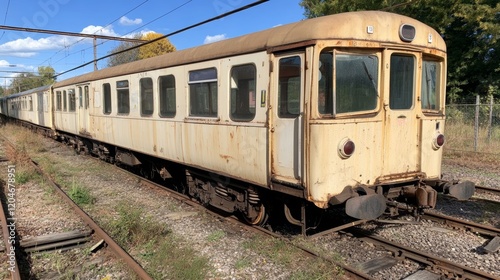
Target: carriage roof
{"x":344,"y":26}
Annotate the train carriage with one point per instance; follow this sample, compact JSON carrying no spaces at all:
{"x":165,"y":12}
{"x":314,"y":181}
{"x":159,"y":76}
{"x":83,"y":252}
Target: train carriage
{"x":346,"y":109}
{"x":31,"y":106}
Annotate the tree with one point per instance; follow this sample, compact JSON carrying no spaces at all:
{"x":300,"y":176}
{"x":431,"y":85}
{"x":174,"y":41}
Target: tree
{"x":26,"y":81}
{"x":470,"y":28}
{"x":124,"y":57}
{"x":160,"y":47}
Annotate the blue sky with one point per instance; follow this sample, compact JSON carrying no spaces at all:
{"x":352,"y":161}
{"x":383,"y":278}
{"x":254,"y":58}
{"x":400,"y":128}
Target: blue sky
{"x":22,"y":51}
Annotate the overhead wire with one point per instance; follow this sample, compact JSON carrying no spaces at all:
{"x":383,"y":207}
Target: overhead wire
{"x":168,"y":35}
{"x":130,"y":32}
{"x":102,"y":28}
{"x":5,"y":18}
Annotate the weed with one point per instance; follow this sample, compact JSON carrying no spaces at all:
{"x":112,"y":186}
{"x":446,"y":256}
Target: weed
{"x":81,"y":195}
{"x":167,"y":257}
{"x":131,"y":228}
{"x":216,"y":236}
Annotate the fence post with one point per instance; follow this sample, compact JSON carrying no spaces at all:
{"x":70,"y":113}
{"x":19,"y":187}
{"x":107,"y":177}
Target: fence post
{"x":490,"y":119}
{"x":476,"y":124}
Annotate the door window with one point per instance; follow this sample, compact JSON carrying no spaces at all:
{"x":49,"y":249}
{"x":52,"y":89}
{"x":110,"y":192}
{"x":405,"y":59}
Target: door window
{"x":289,"y":87}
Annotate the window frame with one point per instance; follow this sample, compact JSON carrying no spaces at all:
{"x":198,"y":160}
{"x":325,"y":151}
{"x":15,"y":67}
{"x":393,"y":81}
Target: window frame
{"x":71,"y":100}
{"x":198,"y":81}
{"x":438,"y":86}
{"x":142,"y":97}
{"x":123,"y":89}
{"x":106,"y":96}
{"x":167,"y":113}
{"x":414,"y":81}
{"x":58,"y":100}
{"x":335,"y":52}
{"x":251,"y":86}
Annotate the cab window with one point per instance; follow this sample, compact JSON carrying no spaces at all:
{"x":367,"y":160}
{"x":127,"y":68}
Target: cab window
{"x":355,"y":86}
{"x":430,"y":94}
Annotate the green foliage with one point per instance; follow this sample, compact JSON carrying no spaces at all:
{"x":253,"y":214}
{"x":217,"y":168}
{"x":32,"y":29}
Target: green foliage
{"x":81,"y":195}
{"x":25,"y":81}
{"x":167,"y":258}
{"x":470,"y":28}
{"x":132,"y":228}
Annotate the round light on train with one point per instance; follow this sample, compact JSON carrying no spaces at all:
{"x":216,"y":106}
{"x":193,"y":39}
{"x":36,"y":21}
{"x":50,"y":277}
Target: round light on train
{"x":438,"y":141}
{"x":407,"y":32}
{"x":346,"y":148}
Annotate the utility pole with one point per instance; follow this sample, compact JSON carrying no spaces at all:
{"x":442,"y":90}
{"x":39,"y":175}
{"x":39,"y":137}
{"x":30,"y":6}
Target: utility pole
{"x":63,"y":33}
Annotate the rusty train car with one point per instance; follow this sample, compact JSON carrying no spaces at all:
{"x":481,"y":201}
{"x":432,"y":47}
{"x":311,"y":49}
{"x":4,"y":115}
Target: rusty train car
{"x":346,"y":109}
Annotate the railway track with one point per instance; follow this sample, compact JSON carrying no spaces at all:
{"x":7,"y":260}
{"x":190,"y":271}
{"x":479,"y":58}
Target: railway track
{"x":437,"y":264}
{"x":398,"y":252}
{"x":97,"y":230}
{"x":488,"y":190}
{"x":351,"y":272}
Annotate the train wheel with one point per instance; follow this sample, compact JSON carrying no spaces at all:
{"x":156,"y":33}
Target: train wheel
{"x":259,"y":219}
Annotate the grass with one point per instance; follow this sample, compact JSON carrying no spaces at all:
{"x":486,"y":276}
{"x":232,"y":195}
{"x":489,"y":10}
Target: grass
{"x":164,"y":253}
{"x":280,"y":252}
{"x":460,"y":136}
{"x":81,"y":195}
{"x":216,"y":236}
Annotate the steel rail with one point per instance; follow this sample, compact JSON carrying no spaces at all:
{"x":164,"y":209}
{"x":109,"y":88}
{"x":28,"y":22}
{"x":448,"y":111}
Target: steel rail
{"x":351,"y":272}
{"x":463,"y":224}
{"x":482,"y":189}
{"x":129,"y":260}
{"x":10,"y":250}
{"x":117,"y":249}
{"x":401,"y":251}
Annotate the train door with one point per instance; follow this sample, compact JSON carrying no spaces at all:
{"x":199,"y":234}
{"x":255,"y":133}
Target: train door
{"x":287,"y":120}
{"x":83,"y":109}
{"x":402,"y":130}
{"x":39,"y":97}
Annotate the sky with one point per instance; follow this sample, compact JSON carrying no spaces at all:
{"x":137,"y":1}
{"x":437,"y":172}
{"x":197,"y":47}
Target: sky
{"x":24,"y":51}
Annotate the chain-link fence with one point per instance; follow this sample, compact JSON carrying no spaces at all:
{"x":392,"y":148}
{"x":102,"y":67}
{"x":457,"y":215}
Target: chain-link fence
{"x":473,"y":127}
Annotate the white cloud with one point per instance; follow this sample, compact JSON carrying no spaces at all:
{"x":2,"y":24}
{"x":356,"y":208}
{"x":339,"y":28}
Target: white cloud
{"x":28,"y":47}
{"x":99,"y":30}
{"x":4,"y":63}
{"x":211,"y":39}
{"x":126,"y":21}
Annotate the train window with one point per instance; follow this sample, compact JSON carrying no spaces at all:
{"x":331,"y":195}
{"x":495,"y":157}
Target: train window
{"x":289,"y":87}
{"x":203,"y":93}
{"x":147,"y":103}
{"x":242,"y":98}
{"x":65,"y":101}
{"x":122,"y":93}
{"x":30,"y":101}
{"x":356,"y":83}
{"x":325,"y":83}
{"x":167,"y":96}
{"x":402,"y":82}
{"x":72,"y":100}
{"x":86,"y":92}
{"x":430,"y":85}
{"x":58,"y":101}
{"x":80,"y":97}
{"x":106,"y":89}
{"x":45,"y":103}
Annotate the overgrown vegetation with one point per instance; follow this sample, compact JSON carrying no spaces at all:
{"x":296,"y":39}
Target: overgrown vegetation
{"x":164,"y":253}
{"x":81,"y":195}
{"x":281,"y":252}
